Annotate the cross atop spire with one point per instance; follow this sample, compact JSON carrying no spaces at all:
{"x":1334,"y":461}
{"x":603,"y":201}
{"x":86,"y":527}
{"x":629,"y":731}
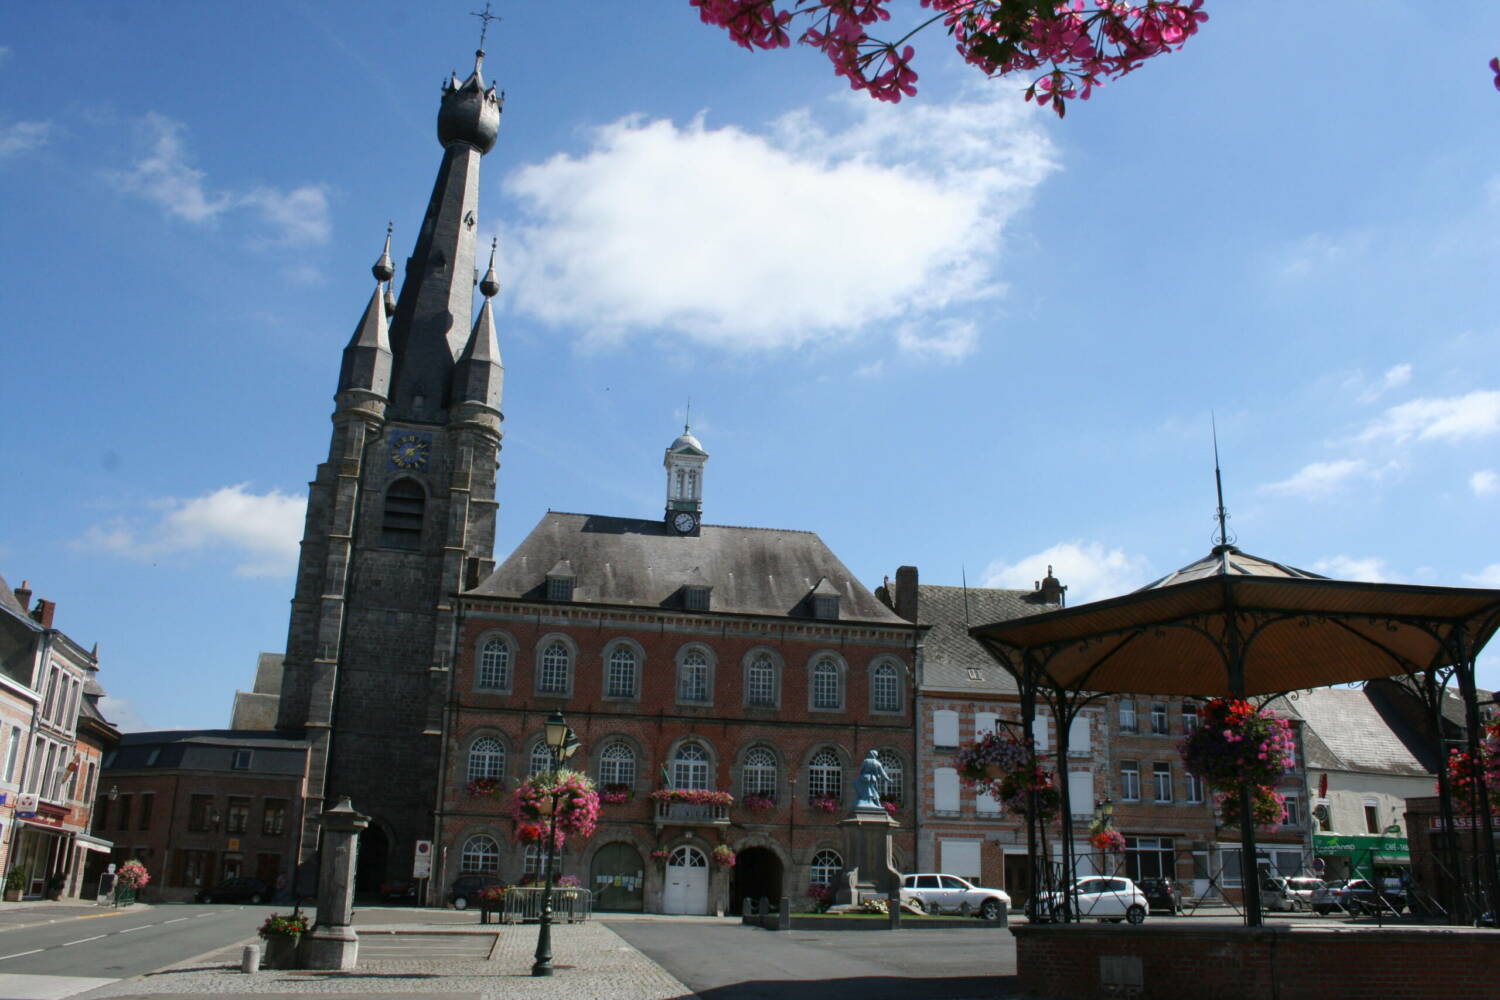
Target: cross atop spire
{"x":485,"y":18}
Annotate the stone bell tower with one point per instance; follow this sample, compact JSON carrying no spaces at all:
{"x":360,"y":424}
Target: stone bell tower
{"x":401,"y":514}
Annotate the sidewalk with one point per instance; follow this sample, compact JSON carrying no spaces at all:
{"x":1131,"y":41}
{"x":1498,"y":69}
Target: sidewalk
{"x":30,"y":912}
{"x":433,"y":953}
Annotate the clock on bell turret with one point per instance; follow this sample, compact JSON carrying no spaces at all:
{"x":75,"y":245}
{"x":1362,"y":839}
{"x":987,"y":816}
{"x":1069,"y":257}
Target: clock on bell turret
{"x":684,"y":522}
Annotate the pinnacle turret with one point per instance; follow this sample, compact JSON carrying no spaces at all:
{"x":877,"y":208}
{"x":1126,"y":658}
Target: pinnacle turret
{"x":479,"y":377}
{"x":367,"y":358}
{"x":470,"y":113}
{"x":383,"y":269}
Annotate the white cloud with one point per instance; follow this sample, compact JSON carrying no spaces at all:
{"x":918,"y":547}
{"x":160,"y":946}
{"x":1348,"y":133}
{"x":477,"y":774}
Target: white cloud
{"x":22,"y":137}
{"x":1484,"y":483}
{"x":1089,"y":571}
{"x":1487,"y":577}
{"x":164,"y":176}
{"x":262,"y":530}
{"x":123,"y":714}
{"x":1368,"y":568}
{"x":943,"y":340}
{"x":1455,"y":418}
{"x":1318,"y":479}
{"x":751,"y":241}
{"x":1394,"y":378}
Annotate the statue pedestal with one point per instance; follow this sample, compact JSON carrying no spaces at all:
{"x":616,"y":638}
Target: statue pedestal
{"x":335,"y":945}
{"x":867,"y":852}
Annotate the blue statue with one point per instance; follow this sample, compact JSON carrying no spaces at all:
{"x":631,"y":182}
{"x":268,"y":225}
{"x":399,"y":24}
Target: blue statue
{"x":867,"y":786}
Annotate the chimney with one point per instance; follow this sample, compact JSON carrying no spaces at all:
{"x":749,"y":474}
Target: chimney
{"x":23,"y":594}
{"x":44,"y":611}
{"x":906,"y":592}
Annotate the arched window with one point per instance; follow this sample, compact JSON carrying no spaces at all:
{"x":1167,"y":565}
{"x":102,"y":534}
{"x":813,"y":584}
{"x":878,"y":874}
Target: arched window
{"x":541,"y":759}
{"x":531,"y":863}
{"x":687,"y":857}
{"x":494,"y":665}
{"x":486,"y":758}
{"x":825,"y":776}
{"x":621,"y":680}
{"x":692,"y":677}
{"x":690,"y":767}
{"x":885,"y":688}
{"x":481,"y":854}
{"x":826,"y":866}
{"x":552,"y":678}
{"x":891,"y":790}
{"x":826,"y":689}
{"x":402,"y":526}
{"x":760,"y":682}
{"x":617,"y":765}
{"x":760,"y":773}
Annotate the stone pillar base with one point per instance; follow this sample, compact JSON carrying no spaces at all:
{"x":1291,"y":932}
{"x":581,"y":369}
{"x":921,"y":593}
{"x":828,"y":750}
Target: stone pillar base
{"x":334,"y":948}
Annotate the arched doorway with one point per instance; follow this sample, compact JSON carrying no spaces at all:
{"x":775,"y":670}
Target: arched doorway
{"x":369,"y":868}
{"x":618,"y":879}
{"x":686,"y":889}
{"x":757,"y":873}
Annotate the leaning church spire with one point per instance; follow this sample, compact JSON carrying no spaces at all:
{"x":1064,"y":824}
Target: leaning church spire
{"x":431,"y":322}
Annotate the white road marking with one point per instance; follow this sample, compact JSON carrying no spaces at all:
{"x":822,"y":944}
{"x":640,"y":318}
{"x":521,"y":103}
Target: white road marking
{"x":177,"y":919}
{"x":96,"y":937}
{"x":131,"y":930}
{"x":20,"y":954}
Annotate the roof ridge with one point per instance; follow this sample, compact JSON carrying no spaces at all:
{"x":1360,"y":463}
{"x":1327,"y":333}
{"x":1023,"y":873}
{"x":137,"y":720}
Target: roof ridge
{"x":652,"y":520}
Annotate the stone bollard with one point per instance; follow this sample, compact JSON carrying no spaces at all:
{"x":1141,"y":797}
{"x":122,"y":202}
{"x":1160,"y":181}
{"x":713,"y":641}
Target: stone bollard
{"x":747,"y":910}
{"x":250,"y":959}
{"x":893,"y":908}
{"x":784,"y":917}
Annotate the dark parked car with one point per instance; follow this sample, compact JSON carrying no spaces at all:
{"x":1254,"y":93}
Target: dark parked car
{"x":465,"y":889}
{"x":401,"y":890}
{"x":1161,"y":894}
{"x":237,"y":890}
{"x":1362,"y":896}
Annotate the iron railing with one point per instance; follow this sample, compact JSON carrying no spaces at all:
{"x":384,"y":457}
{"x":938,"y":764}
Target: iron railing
{"x":524,"y":902}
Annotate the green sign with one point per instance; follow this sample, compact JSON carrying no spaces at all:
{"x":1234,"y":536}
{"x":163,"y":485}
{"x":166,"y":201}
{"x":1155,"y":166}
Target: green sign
{"x":1371,"y":844}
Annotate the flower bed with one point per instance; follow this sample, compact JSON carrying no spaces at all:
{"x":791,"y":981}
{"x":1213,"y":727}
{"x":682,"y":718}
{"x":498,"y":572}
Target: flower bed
{"x":577,"y":806}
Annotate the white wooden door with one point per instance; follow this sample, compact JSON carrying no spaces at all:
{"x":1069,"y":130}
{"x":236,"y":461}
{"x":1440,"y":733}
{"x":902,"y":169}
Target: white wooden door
{"x":687,"y":882}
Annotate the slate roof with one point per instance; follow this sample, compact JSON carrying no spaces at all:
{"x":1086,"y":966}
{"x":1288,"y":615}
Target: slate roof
{"x":9,"y":601}
{"x":948,"y":649}
{"x":209,"y":750}
{"x":631,"y":562}
{"x":1346,"y":730}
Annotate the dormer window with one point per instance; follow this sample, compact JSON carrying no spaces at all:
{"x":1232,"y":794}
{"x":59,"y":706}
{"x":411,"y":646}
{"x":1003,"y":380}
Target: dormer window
{"x":560,"y":582}
{"x":825,"y":607}
{"x":695,"y":598}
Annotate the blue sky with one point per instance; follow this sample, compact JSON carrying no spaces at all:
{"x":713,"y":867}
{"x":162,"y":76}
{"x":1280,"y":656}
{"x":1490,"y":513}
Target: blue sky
{"x":956,"y":332}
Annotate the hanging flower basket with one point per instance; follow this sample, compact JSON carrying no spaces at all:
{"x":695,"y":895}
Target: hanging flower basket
{"x":723,"y":856}
{"x":1267,"y":807}
{"x":1463,"y":771}
{"x":992,"y":758}
{"x":659,"y":856}
{"x":1109,"y":841}
{"x":1014,"y":792}
{"x":1236,"y":744}
{"x":577,"y":807}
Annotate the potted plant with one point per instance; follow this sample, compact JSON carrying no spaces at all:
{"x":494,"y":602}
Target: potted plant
{"x":281,"y":934}
{"x":724,"y":856}
{"x":56,"y":882}
{"x":15,"y":884}
{"x":130,"y":879}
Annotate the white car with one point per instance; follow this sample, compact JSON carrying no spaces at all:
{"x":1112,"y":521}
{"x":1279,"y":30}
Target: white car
{"x":937,"y":893}
{"x":1098,"y":897}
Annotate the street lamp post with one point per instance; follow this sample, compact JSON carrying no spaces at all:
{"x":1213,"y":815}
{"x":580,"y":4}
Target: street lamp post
{"x":563,"y":744}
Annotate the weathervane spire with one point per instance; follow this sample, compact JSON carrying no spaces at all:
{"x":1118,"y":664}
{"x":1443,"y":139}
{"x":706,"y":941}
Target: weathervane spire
{"x":687,"y":420}
{"x":485,"y":17}
{"x":1223,"y":514}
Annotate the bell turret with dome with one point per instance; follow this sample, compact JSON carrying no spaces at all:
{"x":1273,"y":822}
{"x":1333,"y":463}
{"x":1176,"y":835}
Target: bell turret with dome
{"x":684,"y":463}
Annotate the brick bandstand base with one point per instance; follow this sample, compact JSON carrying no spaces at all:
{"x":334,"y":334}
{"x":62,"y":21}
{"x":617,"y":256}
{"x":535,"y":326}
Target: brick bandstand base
{"x":1168,"y":960}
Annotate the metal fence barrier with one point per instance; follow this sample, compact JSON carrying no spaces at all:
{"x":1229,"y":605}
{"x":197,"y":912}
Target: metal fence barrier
{"x":524,"y":902}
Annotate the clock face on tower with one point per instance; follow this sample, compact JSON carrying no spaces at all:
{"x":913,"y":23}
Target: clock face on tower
{"x":684,"y":522}
{"x":409,"y":449}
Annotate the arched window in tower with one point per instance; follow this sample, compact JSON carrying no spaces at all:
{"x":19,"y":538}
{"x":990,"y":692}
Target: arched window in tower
{"x":692,"y":485}
{"x":480,"y":854}
{"x":827,"y":690}
{"x":617,"y":765}
{"x":552,"y":678}
{"x":885,"y":684}
{"x":690,"y":767}
{"x":677,"y":493}
{"x":760,"y":773}
{"x":486,"y":758}
{"x":825,"y":776}
{"x":494,"y":665}
{"x":401,"y":528}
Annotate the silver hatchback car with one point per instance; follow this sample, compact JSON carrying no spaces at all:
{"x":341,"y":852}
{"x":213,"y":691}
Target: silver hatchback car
{"x":938,"y":893}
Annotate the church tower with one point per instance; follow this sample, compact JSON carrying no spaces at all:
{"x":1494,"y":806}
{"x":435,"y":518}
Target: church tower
{"x":401,"y":515}
{"x":684,"y":463}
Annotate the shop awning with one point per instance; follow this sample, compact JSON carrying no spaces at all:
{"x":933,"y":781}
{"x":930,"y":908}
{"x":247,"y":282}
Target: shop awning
{"x":94,"y":843}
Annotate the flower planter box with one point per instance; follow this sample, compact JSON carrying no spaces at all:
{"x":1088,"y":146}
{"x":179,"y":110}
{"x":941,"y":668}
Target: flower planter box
{"x":280,"y":952}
